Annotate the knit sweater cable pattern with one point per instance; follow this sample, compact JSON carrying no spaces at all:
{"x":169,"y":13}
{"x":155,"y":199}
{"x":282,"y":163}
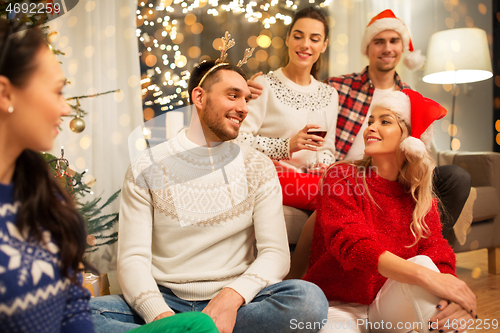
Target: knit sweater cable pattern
{"x":196,"y":231}
{"x":351,"y":232}
{"x":281,"y":112}
{"x":34,"y":297}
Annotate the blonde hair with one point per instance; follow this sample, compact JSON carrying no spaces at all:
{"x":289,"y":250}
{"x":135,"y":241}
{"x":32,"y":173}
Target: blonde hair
{"x":415,"y":175}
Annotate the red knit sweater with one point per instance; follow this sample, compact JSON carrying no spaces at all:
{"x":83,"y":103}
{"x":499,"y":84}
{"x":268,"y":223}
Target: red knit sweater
{"x":351,"y":232}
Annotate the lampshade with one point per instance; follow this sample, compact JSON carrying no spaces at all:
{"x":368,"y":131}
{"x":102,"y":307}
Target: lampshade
{"x":458,"y":56}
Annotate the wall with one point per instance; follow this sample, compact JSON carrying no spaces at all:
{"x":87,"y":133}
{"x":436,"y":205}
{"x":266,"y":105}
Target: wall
{"x":474,"y":103}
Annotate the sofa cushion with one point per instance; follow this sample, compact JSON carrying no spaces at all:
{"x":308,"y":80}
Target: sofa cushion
{"x":295,"y":219}
{"x":486,"y":205}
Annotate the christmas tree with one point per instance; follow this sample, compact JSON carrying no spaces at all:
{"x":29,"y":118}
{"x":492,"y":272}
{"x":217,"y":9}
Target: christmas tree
{"x":97,"y":222}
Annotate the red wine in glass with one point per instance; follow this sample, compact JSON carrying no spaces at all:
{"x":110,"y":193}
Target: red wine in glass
{"x":317,"y":132}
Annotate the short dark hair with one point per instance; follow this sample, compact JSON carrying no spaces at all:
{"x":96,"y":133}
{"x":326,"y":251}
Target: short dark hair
{"x":199,"y":71}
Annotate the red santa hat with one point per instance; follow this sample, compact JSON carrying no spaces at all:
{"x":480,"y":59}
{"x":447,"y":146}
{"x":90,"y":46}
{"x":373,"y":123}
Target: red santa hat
{"x":386,"y":20}
{"x":416,"y":111}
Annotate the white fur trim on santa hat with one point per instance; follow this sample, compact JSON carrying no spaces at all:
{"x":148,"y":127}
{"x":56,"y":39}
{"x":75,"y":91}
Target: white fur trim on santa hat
{"x":413,"y":146}
{"x":382,"y":25}
{"x":415,"y":60}
{"x":398,"y":102}
{"x":427,"y":136}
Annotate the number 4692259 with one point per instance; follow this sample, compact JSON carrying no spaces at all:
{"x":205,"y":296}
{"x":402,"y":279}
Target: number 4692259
{"x":34,"y":8}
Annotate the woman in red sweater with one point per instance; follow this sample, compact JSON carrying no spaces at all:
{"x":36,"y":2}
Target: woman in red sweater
{"x":377,"y":250}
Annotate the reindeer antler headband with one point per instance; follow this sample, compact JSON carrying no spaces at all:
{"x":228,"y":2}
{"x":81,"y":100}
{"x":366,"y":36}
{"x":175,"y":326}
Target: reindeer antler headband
{"x":227,"y":43}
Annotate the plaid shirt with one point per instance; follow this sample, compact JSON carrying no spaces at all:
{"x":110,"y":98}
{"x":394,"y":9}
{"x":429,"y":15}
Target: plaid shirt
{"x":355,"y":96}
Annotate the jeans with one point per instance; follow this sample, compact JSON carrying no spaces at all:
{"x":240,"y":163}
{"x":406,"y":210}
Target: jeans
{"x":287,"y":306}
{"x":452,"y":186}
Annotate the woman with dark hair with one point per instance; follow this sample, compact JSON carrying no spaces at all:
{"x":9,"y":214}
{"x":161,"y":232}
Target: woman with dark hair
{"x":42,"y":239}
{"x":277,"y":122}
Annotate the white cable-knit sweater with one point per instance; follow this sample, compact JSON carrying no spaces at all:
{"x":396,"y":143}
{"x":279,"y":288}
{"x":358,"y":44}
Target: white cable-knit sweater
{"x":281,"y":112}
{"x":196,"y":220}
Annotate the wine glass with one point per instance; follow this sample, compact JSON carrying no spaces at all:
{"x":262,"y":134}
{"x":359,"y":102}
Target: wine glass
{"x":317,"y":117}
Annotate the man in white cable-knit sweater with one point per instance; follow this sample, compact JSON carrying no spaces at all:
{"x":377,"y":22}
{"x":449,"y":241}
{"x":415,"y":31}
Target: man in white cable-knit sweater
{"x":202,"y":227}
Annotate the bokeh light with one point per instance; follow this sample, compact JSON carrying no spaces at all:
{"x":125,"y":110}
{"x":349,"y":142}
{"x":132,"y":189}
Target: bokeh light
{"x":217,"y":43}
{"x":450,"y":23}
{"x":252,"y":41}
{"x":261,"y":55}
{"x":264,"y":41}
{"x":469,"y":21}
{"x":452,"y":130}
{"x":148,"y":114}
{"x":277,"y":42}
{"x":194,"y":52}
{"x":274,"y":61}
{"x":151,"y":60}
{"x":482,"y":8}
{"x":190,"y":19}
{"x":85,"y":142}
{"x":476,"y":273}
{"x":197,"y":28}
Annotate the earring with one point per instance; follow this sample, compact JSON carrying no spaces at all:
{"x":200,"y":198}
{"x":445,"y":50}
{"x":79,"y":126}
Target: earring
{"x":10,"y":109}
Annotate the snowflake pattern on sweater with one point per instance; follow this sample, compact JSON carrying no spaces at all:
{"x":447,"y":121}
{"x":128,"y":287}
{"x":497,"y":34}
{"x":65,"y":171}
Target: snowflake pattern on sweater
{"x":33,"y":295}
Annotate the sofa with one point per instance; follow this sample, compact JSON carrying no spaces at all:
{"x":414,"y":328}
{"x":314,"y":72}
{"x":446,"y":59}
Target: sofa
{"x":478,"y":226}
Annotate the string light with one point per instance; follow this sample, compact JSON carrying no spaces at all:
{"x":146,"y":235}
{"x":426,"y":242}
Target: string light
{"x":161,"y":26}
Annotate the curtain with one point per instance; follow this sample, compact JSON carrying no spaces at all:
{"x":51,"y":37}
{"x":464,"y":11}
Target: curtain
{"x":101,"y":54}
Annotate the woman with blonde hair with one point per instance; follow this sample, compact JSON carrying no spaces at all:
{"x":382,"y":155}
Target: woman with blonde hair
{"x":377,"y":251}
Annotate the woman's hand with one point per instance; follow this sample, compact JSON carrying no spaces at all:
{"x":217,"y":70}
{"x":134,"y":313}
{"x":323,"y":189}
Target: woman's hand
{"x":450,"y":288}
{"x":302,"y":140}
{"x":254,"y":87}
{"x":451,"y":317}
{"x":444,"y":286}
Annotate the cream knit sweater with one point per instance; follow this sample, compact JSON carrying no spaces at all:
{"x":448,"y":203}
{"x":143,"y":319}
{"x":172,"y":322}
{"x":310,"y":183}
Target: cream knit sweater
{"x":196,"y":220}
{"x":281,"y":112}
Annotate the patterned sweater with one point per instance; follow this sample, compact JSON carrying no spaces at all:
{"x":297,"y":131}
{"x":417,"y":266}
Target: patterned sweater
{"x":33,"y":295}
{"x":196,"y":220}
{"x":351,"y":232}
{"x":281,"y":112}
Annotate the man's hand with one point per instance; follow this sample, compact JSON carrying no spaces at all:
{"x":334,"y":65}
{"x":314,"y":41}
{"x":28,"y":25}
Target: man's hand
{"x":223,"y":308}
{"x":164,"y":315}
{"x":254,"y":87}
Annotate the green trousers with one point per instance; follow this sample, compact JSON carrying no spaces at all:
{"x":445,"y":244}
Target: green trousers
{"x":182,"y":322}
